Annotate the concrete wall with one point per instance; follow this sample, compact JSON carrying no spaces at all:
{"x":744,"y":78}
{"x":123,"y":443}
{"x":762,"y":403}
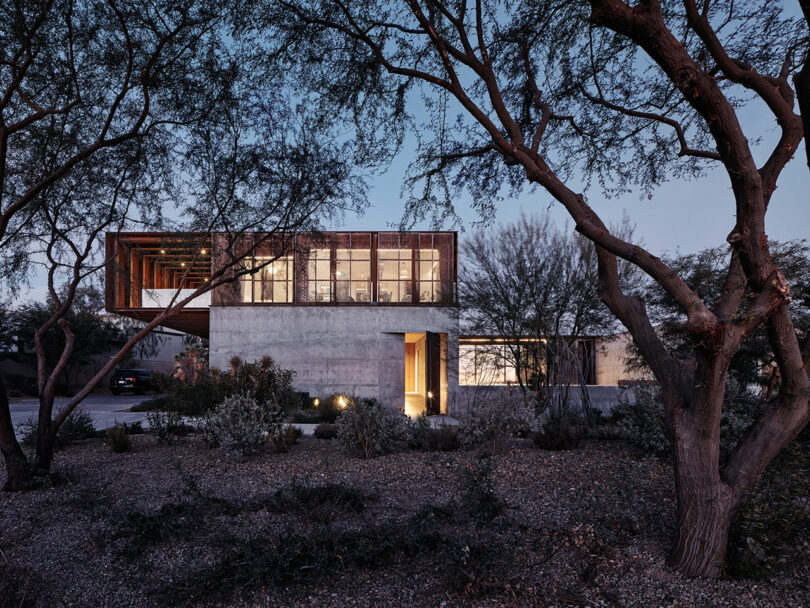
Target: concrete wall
{"x":602,"y":398}
{"x":359,"y":350}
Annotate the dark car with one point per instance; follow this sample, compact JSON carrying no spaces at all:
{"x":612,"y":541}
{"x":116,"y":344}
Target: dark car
{"x":138,"y":381}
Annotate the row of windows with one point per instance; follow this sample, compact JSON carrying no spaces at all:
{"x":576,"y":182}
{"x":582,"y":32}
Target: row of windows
{"x":346,"y":277}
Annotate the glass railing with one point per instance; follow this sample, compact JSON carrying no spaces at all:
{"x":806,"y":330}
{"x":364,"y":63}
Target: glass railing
{"x":161,"y":298}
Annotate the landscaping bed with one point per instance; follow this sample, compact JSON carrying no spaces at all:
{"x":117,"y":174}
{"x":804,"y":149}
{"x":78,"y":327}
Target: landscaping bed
{"x":182,"y":524}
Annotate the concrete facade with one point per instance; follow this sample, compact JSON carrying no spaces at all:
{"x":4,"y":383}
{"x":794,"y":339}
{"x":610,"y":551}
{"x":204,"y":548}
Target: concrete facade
{"x":358,"y":350}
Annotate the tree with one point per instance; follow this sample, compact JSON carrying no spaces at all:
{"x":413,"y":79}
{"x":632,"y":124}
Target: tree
{"x":533,"y":94}
{"x":111,"y":111}
{"x":535,"y":286}
{"x":754,"y":363}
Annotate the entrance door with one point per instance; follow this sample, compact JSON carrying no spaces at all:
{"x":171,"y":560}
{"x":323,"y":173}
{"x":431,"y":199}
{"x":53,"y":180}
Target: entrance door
{"x":433,"y":373}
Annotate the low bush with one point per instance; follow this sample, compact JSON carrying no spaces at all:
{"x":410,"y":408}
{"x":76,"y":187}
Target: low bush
{"x":770,"y":534}
{"x":17,"y":587}
{"x":196,"y":394}
{"x":440,"y":439}
{"x":167,"y":426}
{"x":367,"y":429}
{"x":78,"y":425}
{"x":164,"y":403}
{"x":241,"y":425}
{"x":560,"y":429}
{"x":118,"y":439}
{"x":325,"y":430}
{"x":307,"y":416}
{"x":479,"y":500}
{"x":489,"y":424}
{"x":286,"y":438}
{"x":333,"y":406}
{"x":640,"y":417}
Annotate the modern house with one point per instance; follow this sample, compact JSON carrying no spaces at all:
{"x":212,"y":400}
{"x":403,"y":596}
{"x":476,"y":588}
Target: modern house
{"x":372,"y":314}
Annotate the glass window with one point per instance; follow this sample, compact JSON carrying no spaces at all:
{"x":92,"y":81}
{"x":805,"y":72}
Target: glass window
{"x":395,"y":261}
{"x":271,"y":283}
{"x":485,"y":365}
{"x":319,"y":276}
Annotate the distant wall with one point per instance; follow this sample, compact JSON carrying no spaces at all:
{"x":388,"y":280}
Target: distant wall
{"x":359,"y":350}
{"x":602,"y":398}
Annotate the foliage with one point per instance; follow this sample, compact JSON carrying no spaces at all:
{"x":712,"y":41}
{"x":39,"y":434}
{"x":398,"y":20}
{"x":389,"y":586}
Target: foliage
{"x":94,"y":333}
{"x":559,"y":429}
{"x":77,"y":426}
{"x":705,"y":272}
{"x":241,"y":425}
{"x":441,"y":439}
{"x":529,"y":280}
{"x":167,"y":426}
{"x":490,"y":423}
{"x":640,"y":417}
{"x":118,"y":439}
{"x":479,"y":500}
{"x":325,"y":430}
{"x":367,"y":428}
{"x":333,"y":406}
{"x":286,"y":438}
{"x":770,"y":535}
{"x":197,"y":391}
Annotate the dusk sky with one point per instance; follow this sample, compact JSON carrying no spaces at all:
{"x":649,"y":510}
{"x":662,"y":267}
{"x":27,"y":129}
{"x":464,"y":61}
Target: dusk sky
{"x":681,"y":215}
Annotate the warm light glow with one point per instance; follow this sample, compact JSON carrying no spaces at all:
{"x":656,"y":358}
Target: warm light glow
{"x":430,"y":395}
{"x":183,"y":264}
{"x":342,"y":401}
{"x":162,"y":251}
{"x":205,"y":279}
{"x":202,"y":251}
{"x":317,"y":402}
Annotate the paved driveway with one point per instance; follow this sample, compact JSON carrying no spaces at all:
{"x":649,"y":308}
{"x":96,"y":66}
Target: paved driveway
{"x":105,"y":409}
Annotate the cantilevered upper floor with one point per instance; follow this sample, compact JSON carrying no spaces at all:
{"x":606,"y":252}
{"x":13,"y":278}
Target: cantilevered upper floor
{"x":151,"y":270}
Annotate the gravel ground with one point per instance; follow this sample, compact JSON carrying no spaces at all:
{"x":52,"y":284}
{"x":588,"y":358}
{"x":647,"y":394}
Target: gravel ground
{"x":183,"y":524}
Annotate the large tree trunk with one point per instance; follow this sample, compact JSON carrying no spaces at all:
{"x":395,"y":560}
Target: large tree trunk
{"x":18,"y":470}
{"x":705,"y":502}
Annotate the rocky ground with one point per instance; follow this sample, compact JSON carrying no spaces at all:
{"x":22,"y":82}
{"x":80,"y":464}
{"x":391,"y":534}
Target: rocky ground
{"x":182,"y":524}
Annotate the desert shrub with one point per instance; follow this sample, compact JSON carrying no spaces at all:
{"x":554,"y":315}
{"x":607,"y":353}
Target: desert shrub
{"x":559,"y":429}
{"x":489,"y":424}
{"x":325,"y":430}
{"x":366,"y":428}
{"x":479,"y":500}
{"x":132,"y":428}
{"x":475,"y":568}
{"x":440,"y":439}
{"x":241,"y":425}
{"x":167,"y":426}
{"x":118,"y":439}
{"x":200,"y":392}
{"x":306,"y":416}
{"x":286,"y":438}
{"x":333,"y":406}
{"x":641,"y":419}
{"x":321,"y":503}
{"x":770,"y":534}
{"x":78,"y":425}
{"x":164,"y":403}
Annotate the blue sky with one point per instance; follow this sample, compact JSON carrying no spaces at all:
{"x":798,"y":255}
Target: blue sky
{"x":681,"y":215}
